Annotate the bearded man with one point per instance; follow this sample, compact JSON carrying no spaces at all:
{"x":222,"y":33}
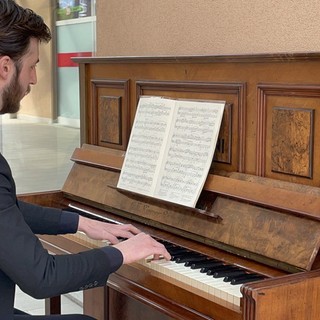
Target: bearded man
{"x":23,"y":260}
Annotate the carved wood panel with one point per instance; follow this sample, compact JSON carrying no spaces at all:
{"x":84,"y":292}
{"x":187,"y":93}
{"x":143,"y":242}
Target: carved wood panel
{"x":109,"y":119}
{"x":108,"y":113}
{"x":291,"y":146}
{"x":252,"y":85}
{"x":286,"y":131}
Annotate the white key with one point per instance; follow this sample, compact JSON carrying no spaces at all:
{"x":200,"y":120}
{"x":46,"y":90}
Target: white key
{"x":216,"y":288}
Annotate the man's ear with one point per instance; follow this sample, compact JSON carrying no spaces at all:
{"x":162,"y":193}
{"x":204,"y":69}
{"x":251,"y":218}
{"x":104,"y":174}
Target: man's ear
{"x":6,"y":66}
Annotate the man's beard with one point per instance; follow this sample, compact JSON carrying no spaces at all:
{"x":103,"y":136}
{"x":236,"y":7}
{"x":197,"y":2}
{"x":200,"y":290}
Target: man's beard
{"x":11,"y":96}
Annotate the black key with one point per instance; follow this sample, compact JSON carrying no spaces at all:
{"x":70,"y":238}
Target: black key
{"x":247,"y":275}
{"x":180,"y":253}
{"x":247,"y":278}
{"x":233,"y":274}
{"x":175,"y":257}
{"x":211,"y":271}
{"x":170,"y":246}
{"x":187,"y":257}
{"x":177,"y":250}
{"x":165,"y":242}
{"x":225,"y":272}
{"x":205,"y":263}
{"x":211,"y":266}
{"x":195,"y":260}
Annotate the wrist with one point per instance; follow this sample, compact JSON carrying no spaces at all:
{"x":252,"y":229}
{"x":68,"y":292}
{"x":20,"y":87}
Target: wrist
{"x":81,"y":224}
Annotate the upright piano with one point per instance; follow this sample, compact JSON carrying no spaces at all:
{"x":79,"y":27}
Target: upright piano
{"x":250,"y":248}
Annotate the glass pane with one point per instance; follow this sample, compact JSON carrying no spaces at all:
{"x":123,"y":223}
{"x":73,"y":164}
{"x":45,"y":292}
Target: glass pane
{"x":39,"y":140}
{"x":38,"y":153}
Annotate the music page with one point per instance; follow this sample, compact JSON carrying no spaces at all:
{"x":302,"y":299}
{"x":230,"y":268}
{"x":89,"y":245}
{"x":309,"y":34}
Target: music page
{"x":171,"y":148}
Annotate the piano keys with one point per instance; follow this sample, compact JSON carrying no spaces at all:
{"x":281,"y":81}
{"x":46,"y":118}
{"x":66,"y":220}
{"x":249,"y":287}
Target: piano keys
{"x":215,"y":279}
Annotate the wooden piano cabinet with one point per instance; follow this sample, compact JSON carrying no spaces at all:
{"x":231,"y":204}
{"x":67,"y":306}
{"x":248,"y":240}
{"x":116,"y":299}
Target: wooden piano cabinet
{"x":94,"y":303}
{"x":293,"y":297}
{"x":53,"y":199}
{"x":263,"y":185}
{"x":145,"y":296}
{"x":122,"y":307}
{"x":128,"y":301}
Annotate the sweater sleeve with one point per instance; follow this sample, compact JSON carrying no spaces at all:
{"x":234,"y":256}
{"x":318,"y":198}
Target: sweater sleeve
{"x":40,"y":274}
{"x":44,"y":220}
{"x":69,"y":222}
{"x":24,"y":260}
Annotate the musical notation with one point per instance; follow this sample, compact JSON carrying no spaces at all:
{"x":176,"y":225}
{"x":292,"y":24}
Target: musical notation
{"x":171,"y":148}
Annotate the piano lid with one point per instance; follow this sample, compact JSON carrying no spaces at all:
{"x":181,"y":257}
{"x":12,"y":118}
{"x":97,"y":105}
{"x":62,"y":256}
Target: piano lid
{"x":248,"y":218}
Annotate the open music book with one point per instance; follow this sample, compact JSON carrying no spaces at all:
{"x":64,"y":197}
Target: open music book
{"x":171,"y":148}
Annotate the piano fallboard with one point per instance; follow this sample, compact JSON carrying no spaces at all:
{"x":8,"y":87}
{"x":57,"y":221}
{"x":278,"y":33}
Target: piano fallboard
{"x":232,"y":213}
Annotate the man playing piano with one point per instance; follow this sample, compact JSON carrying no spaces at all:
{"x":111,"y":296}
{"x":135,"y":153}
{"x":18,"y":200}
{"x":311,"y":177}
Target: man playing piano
{"x":23,"y":260}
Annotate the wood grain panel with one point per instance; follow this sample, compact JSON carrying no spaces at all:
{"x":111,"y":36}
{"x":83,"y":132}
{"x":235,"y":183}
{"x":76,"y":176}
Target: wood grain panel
{"x":286,"y":131}
{"x":268,"y":81}
{"x":108,"y":113}
{"x":109,"y":120}
{"x":292,"y":137}
{"x":292,"y":297}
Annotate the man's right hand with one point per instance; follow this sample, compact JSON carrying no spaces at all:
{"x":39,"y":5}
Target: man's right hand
{"x":141,"y":246}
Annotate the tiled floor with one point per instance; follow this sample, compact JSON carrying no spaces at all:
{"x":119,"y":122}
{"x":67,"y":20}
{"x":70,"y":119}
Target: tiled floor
{"x":69,"y":303}
{"x":39,"y":158}
{"x":39,"y":154}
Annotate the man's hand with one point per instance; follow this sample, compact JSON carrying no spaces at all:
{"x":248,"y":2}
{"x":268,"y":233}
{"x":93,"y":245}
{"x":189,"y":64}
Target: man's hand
{"x":141,"y":246}
{"x":99,"y":230}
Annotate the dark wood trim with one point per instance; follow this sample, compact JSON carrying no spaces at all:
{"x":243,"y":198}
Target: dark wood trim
{"x":53,"y":305}
{"x":272,"y":57}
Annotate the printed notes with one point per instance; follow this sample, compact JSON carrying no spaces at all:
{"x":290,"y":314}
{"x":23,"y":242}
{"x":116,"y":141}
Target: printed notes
{"x":171,"y":148}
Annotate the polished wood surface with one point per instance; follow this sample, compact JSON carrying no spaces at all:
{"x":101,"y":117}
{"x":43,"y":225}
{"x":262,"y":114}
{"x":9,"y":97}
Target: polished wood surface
{"x":138,"y":284}
{"x":254,"y":86}
{"x":243,"y":225}
{"x":259,"y":208}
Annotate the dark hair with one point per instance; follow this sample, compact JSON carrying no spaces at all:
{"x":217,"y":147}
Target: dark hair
{"x":17,"y":26}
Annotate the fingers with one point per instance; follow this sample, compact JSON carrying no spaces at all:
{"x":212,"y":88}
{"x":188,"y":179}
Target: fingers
{"x":133,"y":229}
{"x":110,"y":237}
{"x":141,"y":246}
{"x":159,"y":249}
{"x":161,"y":252}
{"x":127,"y":231}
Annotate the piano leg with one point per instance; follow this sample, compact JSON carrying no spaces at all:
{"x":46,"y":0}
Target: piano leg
{"x":94,"y":303}
{"x":53,"y":305}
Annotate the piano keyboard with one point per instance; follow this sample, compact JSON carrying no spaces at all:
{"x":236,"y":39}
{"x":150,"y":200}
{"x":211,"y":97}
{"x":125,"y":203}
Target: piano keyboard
{"x":216,"y":280}
{"x":213,"y":279}
{"x":83,"y":239}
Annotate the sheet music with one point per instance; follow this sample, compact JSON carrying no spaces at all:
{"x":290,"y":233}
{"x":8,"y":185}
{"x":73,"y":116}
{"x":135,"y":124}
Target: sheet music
{"x":171,"y":148}
{"x":146,"y":145}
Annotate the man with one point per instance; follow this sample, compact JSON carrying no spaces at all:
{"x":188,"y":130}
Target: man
{"x":23,"y":260}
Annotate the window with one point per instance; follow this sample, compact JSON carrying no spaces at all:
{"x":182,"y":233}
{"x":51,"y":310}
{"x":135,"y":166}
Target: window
{"x":39,"y":140}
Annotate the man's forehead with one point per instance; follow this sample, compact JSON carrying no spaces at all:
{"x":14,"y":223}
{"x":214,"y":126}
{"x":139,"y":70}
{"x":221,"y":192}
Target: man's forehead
{"x":33,"y":49}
